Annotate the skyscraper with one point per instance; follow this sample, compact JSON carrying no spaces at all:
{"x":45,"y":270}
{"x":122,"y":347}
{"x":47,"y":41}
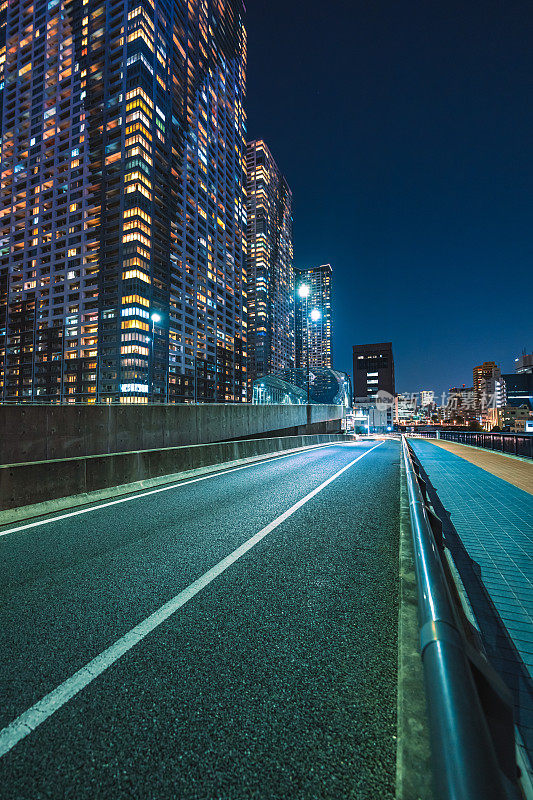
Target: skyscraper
{"x":373,"y":369}
{"x":269,"y":267}
{"x":313,"y":332}
{"x":122,"y":201}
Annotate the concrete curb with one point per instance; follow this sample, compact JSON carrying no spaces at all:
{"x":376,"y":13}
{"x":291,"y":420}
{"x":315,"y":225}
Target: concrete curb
{"x":19,"y":479}
{"x":413,"y":754}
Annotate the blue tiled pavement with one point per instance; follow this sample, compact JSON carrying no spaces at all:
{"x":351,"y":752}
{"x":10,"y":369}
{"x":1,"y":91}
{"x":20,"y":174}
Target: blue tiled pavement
{"x":494,"y":522}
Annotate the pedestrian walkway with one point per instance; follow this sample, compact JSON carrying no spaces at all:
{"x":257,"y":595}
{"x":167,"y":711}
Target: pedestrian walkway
{"x":517,"y":471}
{"x":488,"y":524}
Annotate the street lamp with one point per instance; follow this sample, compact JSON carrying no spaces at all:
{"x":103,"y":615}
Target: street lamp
{"x":304,"y":290}
{"x":154,"y":318}
{"x":315,"y":316}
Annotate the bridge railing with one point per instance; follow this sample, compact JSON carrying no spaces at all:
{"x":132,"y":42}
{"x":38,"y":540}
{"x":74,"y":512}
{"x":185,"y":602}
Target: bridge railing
{"x":470,"y":714}
{"x":511,"y":443}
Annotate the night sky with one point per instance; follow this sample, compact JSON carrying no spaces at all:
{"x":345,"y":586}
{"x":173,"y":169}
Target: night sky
{"x":405,"y":130}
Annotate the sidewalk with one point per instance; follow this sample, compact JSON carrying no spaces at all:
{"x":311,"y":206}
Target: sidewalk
{"x":487,"y":515}
{"x":514,"y":470}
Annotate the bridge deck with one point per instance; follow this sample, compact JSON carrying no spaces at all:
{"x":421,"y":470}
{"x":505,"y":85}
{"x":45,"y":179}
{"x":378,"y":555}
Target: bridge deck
{"x":277,"y":680}
{"x":488,"y":522}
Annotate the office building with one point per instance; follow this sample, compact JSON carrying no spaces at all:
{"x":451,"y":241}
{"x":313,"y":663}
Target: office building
{"x":373,"y":370}
{"x":313,"y":317}
{"x":519,"y":389}
{"x":524,"y":363}
{"x":269,"y":267}
{"x":122,"y":212}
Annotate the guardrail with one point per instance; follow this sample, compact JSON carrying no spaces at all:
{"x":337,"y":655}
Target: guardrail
{"x":514,"y":444}
{"x":471,"y":727}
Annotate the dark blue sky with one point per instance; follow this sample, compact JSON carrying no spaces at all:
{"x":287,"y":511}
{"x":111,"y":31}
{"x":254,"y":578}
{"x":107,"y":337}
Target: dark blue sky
{"x":405,"y":130}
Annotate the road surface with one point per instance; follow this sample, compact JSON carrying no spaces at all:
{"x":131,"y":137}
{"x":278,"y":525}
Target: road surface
{"x":230,"y":637}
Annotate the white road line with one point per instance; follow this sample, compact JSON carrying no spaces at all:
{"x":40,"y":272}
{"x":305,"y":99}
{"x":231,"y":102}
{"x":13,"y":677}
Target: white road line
{"x":175,"y":485}
{"x":52,"y":702}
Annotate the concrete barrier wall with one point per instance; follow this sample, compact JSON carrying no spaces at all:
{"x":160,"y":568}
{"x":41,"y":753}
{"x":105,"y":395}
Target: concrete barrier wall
{"x":41,"y":481}
{"x":38,"y":433}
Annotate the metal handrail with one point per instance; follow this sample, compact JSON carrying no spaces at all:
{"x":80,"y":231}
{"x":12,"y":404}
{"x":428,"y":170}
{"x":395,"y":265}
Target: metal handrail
{"x":465,"y":763}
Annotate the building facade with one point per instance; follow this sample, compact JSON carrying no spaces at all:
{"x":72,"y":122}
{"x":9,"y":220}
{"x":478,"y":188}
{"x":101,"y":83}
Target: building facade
{"x":489,"y":389}
{"x":524,"y":363}
{"x":489,"y":393}
{"x":373,"y":370}
{"x":371,"y":416}
{"x":460,"y":407}
{"x":269,"y":265}
{"x":519,"y":388}
{"x":514,"y":418}
{"x":314,"y":334}
{"x":122,"y":213}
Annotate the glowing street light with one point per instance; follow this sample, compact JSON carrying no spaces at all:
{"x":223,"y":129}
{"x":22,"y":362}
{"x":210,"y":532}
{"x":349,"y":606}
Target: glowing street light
{"x":304,"y":290}
{"x":155,"y":317}
{"x":316,"y":314}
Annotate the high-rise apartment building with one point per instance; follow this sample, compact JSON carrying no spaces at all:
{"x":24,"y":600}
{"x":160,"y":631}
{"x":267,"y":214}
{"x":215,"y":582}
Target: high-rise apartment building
{"x":312,"y":332}
{"x":489,"y":388}
{"x":489,"y":393}
{"x":269,"y":267}
{"x":373,"y":369}
{"x":122,"y":213}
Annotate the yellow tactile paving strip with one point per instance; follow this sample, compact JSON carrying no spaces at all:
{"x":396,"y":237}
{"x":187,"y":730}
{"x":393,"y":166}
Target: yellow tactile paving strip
{"x":512,"y":470}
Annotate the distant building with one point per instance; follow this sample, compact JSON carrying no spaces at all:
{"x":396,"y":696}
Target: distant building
{"x":372,"y":416}
{"x":406,"y":409}
{"x":318,"y":331}
{"x":489,"y":393}
{"x":524,"y":363}
{"x":487,"y":384}
{"x":461,"y":405}
{"x":373,"y":370}
{"x":514,"y":418}
{"x":427,"y":398}
{"x":269,"y":267}
{"x":519,"y":389}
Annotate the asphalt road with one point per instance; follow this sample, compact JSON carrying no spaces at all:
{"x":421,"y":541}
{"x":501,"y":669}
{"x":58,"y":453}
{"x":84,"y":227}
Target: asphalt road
{"x":277,"y":679}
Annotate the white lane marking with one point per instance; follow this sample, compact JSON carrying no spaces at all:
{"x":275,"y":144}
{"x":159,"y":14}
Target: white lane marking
{"x":50,"y":703}
{"x":175,"y":485}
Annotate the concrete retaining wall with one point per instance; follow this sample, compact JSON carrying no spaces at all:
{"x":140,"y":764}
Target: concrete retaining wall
{"x":41,"y":481}
{"x":38,"y":433}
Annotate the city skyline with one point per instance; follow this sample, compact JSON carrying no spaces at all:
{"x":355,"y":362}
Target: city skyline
{"x":405,"y":148}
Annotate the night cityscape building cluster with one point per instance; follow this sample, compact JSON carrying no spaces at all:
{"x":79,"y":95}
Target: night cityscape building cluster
{"x":146,"y":249}
{"x":495,"y":401}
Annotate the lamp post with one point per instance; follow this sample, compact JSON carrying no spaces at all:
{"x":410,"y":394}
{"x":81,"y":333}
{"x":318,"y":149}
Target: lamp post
{"x":304,"y":290}
{"x":154,"y":317}
{"x":315,"y":316}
